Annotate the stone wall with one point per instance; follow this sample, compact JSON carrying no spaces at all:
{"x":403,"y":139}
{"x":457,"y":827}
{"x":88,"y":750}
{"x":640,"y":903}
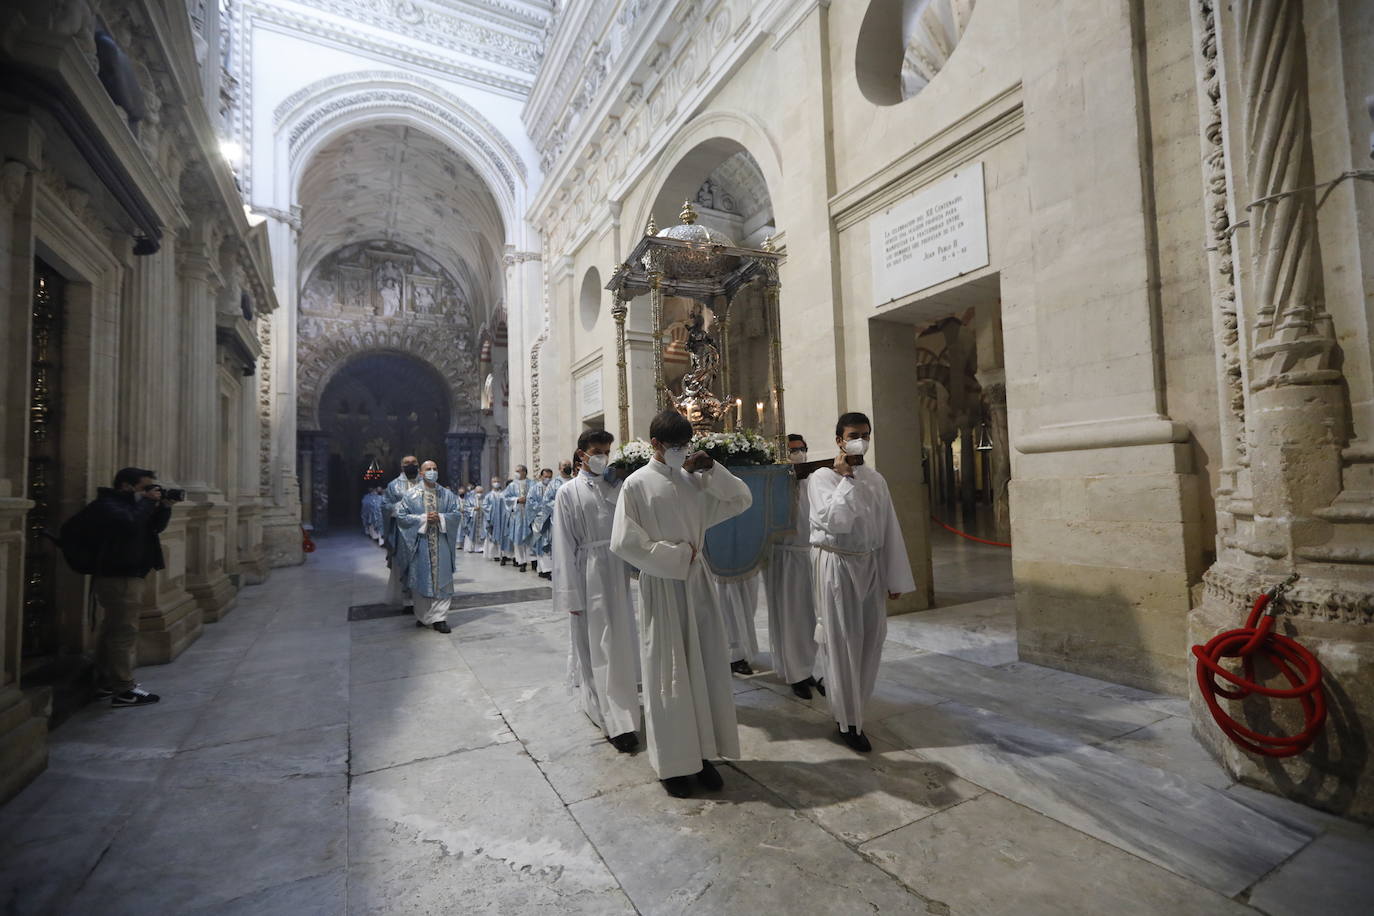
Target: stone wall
{"x":163,"y":286}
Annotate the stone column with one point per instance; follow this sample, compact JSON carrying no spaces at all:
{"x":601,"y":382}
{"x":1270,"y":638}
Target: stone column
{"x":206,"y":510}
{"x":148,"y":418}
{"x":1297,"y":495}
{"x":995,"y":396}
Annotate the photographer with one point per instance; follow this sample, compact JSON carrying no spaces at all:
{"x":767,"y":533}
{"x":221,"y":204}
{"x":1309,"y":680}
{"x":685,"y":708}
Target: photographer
{"x":117,"y":537}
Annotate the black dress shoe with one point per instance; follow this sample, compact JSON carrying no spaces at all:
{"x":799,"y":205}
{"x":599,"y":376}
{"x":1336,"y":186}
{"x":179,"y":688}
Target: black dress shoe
{"x":802,"y":689}
{"x":677,"y":786}
{"x":409,"y":609}
{"x":442,"y":626}
{"x":524,"y":567}
{"x":505,"y":560}
{"x":627,"y":743}
{"x":710,"y":777}
{"x":546,"y":575}
{"x":741,"y":667}
{"x":856,"y":740}
{"x":819,"y":685}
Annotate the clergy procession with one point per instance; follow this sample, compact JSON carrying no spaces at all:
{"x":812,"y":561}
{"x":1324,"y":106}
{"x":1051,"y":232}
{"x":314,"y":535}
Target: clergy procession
{"x":594,"y":528}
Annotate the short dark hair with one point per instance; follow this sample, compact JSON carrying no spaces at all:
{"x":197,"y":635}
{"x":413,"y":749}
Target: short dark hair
{"x":132,"y":476}
{"x":591,"y":437}
{"x":794,"y":437}
{"x":670,"y":428}
{"x":543,"y":471}
{"x":851,"y":419}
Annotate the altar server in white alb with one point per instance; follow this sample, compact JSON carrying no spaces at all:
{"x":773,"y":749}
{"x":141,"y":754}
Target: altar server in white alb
{"x":791,"y":601}
{"x":660,"y":525}
{"x":858,"y":560}
{"x":593,"y":586}
{"x":427,"y":520}
{"x":739,"y":600}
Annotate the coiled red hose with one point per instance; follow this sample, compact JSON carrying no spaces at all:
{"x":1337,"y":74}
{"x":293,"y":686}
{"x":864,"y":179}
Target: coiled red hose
{"x":1298,"y":666}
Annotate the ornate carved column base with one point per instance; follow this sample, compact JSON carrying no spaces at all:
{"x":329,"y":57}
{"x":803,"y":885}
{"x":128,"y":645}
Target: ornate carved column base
{"x":1331,"y":612}
{"x":171,"y":618}
{"x":281,"y":539}
{"x":206,"y":578}
{"x":253,"y":555}
{"x":23,"y":737}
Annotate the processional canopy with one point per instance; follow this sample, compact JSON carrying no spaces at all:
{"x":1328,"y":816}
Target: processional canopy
{"x":696,"y":262}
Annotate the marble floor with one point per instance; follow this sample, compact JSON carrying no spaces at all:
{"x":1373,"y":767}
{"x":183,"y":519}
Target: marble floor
{"x":300,"y":763}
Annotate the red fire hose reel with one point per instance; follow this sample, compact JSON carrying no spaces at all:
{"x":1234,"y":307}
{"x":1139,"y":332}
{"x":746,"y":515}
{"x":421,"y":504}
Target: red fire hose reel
{"x":1297,"y":665}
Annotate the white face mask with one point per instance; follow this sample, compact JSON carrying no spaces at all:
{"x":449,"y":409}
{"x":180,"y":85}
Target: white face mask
{"x":798,"y":457}
{"x":855,"y":446}
{"x":431,"y":476}
{"x":596,"y":464}
{"x":675,"y":458}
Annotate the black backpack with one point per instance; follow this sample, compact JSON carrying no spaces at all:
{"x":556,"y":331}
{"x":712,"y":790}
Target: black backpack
{"x":79,"y":541}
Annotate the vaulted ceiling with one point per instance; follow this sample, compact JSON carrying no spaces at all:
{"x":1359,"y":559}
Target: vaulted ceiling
{"x":397,"y":183}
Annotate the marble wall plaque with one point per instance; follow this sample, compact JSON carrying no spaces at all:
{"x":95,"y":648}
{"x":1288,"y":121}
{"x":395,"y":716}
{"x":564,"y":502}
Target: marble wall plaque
{"x":936,"y":234}
{"x":589,"y":393}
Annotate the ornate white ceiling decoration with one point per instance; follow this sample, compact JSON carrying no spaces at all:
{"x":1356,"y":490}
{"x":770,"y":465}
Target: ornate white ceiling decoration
{"x":507,"y":34}
{"x":310,"y":107}
{"x":397,"y":183}
{"x":737,"y":186}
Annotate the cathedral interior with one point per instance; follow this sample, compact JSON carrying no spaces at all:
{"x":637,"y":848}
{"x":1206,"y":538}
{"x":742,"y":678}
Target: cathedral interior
{"x":1095,"y":271}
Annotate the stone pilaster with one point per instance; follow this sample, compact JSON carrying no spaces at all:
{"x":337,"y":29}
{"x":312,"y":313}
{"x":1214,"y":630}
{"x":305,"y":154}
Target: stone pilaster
{"x":148,"y":420}
{"x":206,"y":510}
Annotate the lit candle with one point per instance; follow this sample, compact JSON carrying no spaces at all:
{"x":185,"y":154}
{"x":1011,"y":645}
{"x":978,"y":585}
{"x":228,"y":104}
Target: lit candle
{"x":759,"y":407}
{"x":739,"y":413}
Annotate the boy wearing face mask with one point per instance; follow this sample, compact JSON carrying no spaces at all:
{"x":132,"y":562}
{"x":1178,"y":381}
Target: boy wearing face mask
{"x":858,"y":559}
{"x":593,"y":586}
{"x":791,"y":604}
{"x":409,"y":479}
{"x":428,"y":520}
{"x":660,"y":525}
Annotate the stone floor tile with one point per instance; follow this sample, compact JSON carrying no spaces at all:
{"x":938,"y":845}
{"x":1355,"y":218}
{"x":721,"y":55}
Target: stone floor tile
{"x":321,"y":751}
{"x":416,"y":718}
{"x":410,"y":652}
{"x":426,"y":838}
{"x":1329,"y":877}
{"x":1169,"y":745}
{"x":740,"y":850}
{"x":983,"y":632}
{"x":320,"y":895}
{"x":256,"y":705}
{"x":1192,"y":830}
{"x":794,"y":752}
{"x":573,"y":753}
{"x":1088,"y":717}
{"x":990,"y":857}
{"x":537,"y":655}
{"x":203,"y":845}
{"x":289,"y":651}
{"x":126,"y":737}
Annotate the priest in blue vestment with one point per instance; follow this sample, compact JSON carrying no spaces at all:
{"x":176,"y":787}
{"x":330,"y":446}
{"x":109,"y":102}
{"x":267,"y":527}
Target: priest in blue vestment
{"x":428,"y":520}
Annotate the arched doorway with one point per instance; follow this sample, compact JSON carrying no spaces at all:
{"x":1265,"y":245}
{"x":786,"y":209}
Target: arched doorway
{"x":379,"y":407}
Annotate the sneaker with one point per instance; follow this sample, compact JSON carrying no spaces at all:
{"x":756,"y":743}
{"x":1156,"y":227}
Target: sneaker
{"x":710,"y":777}
{"x":136,"y":697}
{"x":741,"y":667}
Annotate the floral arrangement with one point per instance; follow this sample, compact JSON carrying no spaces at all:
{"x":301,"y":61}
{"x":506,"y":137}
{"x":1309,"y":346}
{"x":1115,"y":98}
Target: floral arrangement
{"x":730,"y":449}
{"x":632,"y":455}
{"x":737,"y":448}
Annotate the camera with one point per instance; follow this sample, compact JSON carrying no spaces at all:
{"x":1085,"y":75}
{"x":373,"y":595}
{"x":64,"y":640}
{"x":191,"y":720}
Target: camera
{"x":172,"y":495}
